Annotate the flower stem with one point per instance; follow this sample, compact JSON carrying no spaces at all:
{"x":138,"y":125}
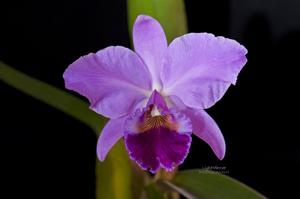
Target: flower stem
{"x":163,"y":175}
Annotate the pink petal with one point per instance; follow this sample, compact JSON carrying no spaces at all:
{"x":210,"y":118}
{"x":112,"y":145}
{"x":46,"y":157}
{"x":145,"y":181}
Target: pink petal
{"x":206,"y":128}
{"x":200,"y":67}
{"x":114,"y":80}
{"x":150,"y":43}
{"x":109,"y":136}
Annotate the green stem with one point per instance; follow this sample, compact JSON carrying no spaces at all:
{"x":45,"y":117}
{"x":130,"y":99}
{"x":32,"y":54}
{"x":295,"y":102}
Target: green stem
{"x":162,"y":176}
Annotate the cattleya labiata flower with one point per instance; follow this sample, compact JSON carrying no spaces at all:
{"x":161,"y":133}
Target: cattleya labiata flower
{"x":155,"y":97}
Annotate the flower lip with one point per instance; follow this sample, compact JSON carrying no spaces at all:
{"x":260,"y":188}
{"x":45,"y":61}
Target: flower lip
{"x":157,"y":141}
{"x":158,"y":148}
{"x":156,"y":136}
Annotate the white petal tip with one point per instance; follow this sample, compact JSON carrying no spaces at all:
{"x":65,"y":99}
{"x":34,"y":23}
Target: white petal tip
{"x":101,"y":157}
{"x":221,"y":157}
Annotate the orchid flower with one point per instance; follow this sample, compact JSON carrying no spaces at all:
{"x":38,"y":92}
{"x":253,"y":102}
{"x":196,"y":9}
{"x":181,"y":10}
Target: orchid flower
{"x":155,"y":97}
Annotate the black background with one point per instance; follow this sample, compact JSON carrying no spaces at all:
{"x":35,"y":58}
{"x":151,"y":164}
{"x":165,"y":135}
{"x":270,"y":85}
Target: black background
{"x":47,"y":154}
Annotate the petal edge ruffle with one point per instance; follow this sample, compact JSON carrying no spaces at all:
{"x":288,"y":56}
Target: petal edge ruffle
{"x":114,"y":80}
{"x":199,"y":68}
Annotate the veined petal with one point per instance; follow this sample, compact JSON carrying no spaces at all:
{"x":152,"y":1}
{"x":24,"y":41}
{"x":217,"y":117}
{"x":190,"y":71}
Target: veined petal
{"x":199,"y":68}
{"x":164,"y":146}
{"x":109,"y":136}
{"x":150,"y":43}
{"x":206,"y":128}
{"x":114,"y":80}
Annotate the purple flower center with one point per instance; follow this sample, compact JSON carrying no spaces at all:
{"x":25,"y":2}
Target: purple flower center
{"x":157,"y":137}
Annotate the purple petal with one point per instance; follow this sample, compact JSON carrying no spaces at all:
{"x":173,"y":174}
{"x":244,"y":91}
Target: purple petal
{"x":200,"y":67}
{"x":150,"y":43}
{"x":206,"y":128}
{"x":114,"y":80}
{"x":158,"y":147}
{"x":109,"y":136}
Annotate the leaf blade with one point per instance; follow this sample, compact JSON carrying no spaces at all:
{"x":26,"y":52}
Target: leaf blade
{"x":204,"y":184}
{"x":119,"y":178}
{"x":52,"y":96}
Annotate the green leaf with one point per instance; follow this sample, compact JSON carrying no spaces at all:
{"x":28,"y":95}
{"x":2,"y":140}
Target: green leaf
{"x":114,"y":175}
{"x":170,"y":13}
{"x":52,"y":96}
{"x":204,"y":184}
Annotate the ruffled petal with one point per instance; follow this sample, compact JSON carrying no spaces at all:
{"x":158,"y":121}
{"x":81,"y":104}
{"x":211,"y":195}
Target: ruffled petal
{"x":150,"y":43}
{"x":158,"y":147}
{"x":206,"y":128}
{"x":114,"y":80}
{"x":200,"y":67}
{"x":111,"y":133}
